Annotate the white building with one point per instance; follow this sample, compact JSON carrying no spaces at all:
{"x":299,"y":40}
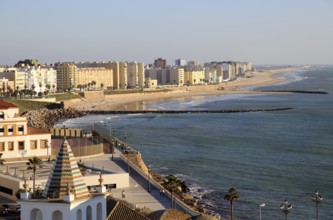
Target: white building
{"x":66,"y":195}
{"x":41,"y":78}
{"x":180,"y":62}
{"x":135,"y":74}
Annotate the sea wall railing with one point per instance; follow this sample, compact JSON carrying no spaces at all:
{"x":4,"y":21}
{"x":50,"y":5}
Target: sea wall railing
{"x":126,"y":151}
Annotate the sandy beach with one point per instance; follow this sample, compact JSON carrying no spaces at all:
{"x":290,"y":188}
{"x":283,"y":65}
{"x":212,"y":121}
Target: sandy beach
{"x":137,"y":101}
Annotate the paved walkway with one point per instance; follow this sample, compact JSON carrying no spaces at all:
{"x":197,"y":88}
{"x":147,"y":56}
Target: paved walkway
{"x":137,"y":193}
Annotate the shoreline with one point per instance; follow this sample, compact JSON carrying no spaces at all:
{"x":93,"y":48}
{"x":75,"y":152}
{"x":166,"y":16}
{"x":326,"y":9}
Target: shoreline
{"x":134,"y":102}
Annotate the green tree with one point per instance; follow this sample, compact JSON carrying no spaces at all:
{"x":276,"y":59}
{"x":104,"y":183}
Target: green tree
{"x":33,"y":164}
{"x":231,"y":197}
{"x":33,"y":87}
{"x":46,"y":93}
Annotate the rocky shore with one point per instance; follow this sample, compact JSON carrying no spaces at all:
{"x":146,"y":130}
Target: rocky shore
{"x":46,"y":118}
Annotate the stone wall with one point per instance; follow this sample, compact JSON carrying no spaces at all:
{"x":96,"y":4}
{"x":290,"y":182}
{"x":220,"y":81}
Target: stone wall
{"x":93,"y":95}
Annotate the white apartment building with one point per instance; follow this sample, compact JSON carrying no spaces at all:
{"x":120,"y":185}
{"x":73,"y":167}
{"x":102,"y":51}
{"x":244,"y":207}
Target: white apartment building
{"x":17,"y":139}
{"x":135,"y":75}
{"x":41,"y":78}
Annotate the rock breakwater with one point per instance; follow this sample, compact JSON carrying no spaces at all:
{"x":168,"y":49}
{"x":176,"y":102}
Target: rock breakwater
{"x":46,"y":118}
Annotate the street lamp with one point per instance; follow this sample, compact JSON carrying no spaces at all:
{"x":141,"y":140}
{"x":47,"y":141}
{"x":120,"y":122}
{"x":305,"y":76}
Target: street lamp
{"x":261,"y":206}
{"x":286,"y":208}
{"x":317,"y":198}
{"x":48,"y":146}
{"x":112,"y":147}
{"x":128,"y":167}
{"x":149,"y":170}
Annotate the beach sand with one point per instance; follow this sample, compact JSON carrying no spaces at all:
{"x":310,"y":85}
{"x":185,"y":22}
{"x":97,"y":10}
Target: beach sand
{"x":137,"y":101}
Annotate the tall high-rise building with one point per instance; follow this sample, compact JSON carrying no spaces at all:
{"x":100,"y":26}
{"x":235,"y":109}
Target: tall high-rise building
{"x":135,"y":72}
{"x":180,"y":62}
{"x":66,"y":75}
{"x":122,"y":75}
{"x":141,"y":75}
{"x":160,"y":63}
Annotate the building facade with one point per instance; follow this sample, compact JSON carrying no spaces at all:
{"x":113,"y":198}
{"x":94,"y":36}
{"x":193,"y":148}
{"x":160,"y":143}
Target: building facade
{"x":66,"y":76}
{"x":99,"y":75}
{"x":17,"y":139}
{"x":160,"y":63}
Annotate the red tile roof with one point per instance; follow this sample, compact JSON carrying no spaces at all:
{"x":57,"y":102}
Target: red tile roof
{"x":6,"y":105}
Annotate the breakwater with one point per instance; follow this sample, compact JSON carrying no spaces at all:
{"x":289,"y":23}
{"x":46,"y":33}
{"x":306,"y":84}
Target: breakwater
{"x":185,"y":111}
{"x":46,"y":118}
{"x":298,"y":91}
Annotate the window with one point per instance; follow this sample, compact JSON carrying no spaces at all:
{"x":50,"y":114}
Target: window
{"x":43,"y":144}
{"x":10,"y":129}
{"x":21,"y":145}
{"x":2,"y":115}
{"x":2,"y":130}
{"x":33,"y":144}
{"x":2,"y":146}
{"x":21,"y":129}
{"x":10,"y":145}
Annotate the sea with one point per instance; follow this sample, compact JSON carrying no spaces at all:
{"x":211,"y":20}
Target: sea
{"x":268,"y":156}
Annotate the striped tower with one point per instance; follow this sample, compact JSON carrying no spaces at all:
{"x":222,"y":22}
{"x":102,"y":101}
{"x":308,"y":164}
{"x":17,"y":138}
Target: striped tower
{"x":65,"y":176}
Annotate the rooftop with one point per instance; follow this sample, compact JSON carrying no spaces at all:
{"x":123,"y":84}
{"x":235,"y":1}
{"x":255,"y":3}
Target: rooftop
{"x":6,"y":105}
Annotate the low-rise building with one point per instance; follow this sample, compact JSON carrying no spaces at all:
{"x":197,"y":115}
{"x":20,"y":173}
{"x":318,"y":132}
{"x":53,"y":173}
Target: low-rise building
{"x":17,"y":139}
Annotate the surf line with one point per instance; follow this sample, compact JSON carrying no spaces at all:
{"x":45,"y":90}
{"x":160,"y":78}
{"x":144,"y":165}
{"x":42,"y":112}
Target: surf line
{"x":95,"y":112}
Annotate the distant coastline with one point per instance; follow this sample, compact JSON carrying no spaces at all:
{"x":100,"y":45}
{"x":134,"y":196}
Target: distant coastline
{"x":133,"y":102}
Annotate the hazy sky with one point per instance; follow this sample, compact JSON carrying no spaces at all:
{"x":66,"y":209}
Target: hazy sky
{"x":260,"y":31}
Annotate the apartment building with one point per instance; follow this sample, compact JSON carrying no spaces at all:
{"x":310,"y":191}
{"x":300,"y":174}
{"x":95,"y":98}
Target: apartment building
{"x":97,"y":74}
{"x":41,"y":78}
{"x":180,"y":62}
{"x":135,"y":75}
{"x":194,"y":77}
{"x":122,"y":75}
{"x":17,"y":139}
{"x":17,"y":78}
{"x":160,"y":63}
{"x":177,"y":76}
{"x":66,"y":76}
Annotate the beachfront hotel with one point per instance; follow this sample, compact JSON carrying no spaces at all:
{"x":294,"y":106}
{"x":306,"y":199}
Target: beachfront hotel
{"x":17,"y":139}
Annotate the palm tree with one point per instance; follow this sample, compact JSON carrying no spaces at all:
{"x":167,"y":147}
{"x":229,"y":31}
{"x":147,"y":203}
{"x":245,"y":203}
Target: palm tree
{"x":33,"y":87}
{"x":93,"y":83}
{"x":48,"y":86}
{"x":40,"y":86}
{"x":33,"y":164}
{"x":230,"y":197}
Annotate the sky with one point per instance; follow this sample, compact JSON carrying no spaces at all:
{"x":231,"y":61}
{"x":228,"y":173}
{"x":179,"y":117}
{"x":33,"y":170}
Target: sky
{"x":257,"y":31}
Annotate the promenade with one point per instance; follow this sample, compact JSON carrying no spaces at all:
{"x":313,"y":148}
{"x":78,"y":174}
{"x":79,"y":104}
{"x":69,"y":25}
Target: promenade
{"x":137,"y":193}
